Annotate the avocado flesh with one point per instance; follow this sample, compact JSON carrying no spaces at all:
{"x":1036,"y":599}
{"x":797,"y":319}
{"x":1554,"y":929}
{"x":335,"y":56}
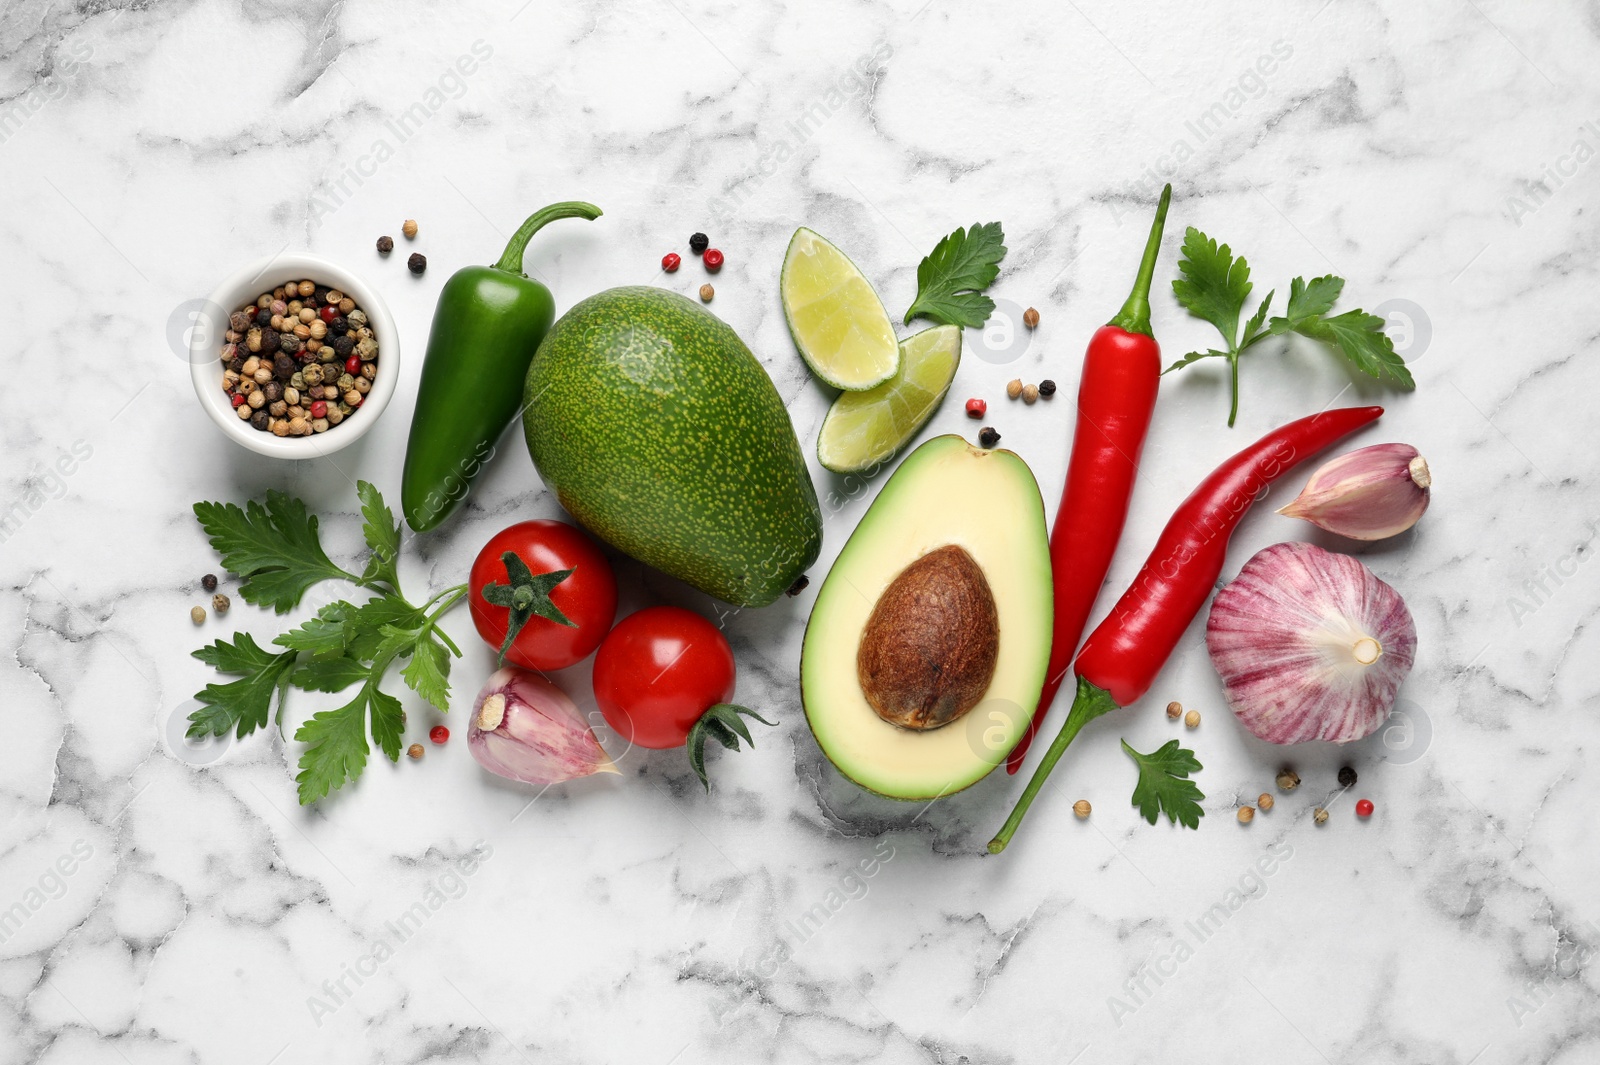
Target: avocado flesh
{"x":945,"y":492}
{"x":659,"y":431}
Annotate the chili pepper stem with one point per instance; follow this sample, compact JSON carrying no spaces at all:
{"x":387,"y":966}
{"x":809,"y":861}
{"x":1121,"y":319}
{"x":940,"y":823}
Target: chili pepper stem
{"x":1135,"y":314}
{"x":511,"y":260}
{"x":1090,"y":702}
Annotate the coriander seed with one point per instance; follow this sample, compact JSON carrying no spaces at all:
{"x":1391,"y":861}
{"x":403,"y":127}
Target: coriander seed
{"x":409,"y":228}
{"x":1174,"y":710}
{"x":1247,"y":814}
{"x":414,"y":751}
{"x":1082,"y":808}
{"x":1030,"y":394}
{"x":1014,"y":388}
{"x":1192,"y":719}
{"x":1265,"y":801}
{"x":1030,"y":318}
{"x":706,"y":292}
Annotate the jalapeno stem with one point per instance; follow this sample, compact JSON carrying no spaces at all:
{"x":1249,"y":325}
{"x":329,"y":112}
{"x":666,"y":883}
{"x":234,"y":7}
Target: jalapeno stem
{"x":511,"y":260}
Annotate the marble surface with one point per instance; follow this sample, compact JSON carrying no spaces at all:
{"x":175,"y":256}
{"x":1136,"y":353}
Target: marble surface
{"x":176,"y":904}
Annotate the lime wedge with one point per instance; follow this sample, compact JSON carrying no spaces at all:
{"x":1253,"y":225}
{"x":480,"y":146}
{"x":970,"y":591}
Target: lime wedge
{"x":863,"y":430}
{"x":835,"y":317}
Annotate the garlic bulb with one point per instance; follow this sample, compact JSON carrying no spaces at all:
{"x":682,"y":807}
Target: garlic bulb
{"x":1369,"y":494}
{"x":1310,"y":645}
{"x":525,"y":728}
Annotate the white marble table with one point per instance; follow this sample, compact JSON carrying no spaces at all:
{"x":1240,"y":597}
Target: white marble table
{"x":1440,"y":155}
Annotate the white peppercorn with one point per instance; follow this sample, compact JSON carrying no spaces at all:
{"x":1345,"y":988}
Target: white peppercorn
{"x":256,"y":400}
{"x":291,"y":395}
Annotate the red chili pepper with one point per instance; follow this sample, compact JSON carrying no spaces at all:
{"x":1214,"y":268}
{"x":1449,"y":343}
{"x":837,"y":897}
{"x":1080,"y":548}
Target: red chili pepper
{"x":1116,"y":396}
{"x":1122,"y":656}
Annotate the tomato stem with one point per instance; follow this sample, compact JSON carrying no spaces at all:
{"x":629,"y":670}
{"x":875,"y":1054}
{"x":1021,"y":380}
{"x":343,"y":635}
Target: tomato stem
{"x":1089,"y":703}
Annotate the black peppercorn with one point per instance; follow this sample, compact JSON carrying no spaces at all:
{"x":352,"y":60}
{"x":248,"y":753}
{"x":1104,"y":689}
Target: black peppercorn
{"x":339,"y":326}
{"x":417,"y":263}
{"x":284,"y":367}
{"x":1347,"y":776}
{"x":260,"y":420}
{"x":289,"y":344}
{"x":344,"y":345}
{"x":274,"y":392}
{"x":209,"y":582}
{"x":698,"y":243}
{"x":264,"y":316}
{"x":269,"y":342}
{"x":988,"y":437}
{"x":320,"y":293}
{"x":237,"y":365}
{"x":1047,"y":388}
{"x":385,"y":245}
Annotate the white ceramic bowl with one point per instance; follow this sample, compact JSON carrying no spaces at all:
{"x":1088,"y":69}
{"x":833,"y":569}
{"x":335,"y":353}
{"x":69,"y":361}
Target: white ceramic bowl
{"x":206,"y":341}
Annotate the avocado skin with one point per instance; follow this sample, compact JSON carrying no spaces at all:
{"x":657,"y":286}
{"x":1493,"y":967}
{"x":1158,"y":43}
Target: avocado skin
{"x":658,"y":430}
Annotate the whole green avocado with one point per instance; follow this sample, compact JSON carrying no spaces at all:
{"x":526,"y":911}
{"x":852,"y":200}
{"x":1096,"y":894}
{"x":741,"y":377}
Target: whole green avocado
{"x":659,"y":431}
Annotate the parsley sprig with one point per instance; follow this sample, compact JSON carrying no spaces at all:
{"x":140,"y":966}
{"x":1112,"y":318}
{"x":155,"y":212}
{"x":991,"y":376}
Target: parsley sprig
{"x":274,"y":548}
{"x":1164,"y":785}
{"x":951,"y":279}
{"x":1215,"y":286}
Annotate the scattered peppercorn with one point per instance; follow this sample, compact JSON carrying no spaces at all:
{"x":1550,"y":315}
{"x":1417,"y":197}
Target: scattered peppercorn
{"x":1014,"y":388}
{"x":1364,"y":808}
{"x":698,"y":243}
{"x":988,"y":437}
{"x":197,"y":614}
{"x":1174,"y":710}
{"x":1247,"y":814}
{"x":438,"y":734}
{"x":1320,"y":816}
{"x":706,"y":292}
{"x":670,"y":261}
{"x":713,"y":259}
{"x":1266,"y":802}
{"x":1347,"y":776}
{"x":1047,"y":388}
{"x":1082,"y":808}
{"x":1030,"y":394}
{"x":977,"y":408}
{"x":1030,"y":318}
{"x":415,"y":750}
{"x":1192,"y":719}
{"x":209,"y":582}
{"x":1288,"y":779}
{"x":220,"y":603}
{"x":417,"y":263}
{"x":409,"y":228}
{"x":385,"y":245}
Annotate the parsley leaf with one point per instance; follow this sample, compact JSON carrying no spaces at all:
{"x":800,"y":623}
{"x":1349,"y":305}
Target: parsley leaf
{"x":1214,"y":286}
{"x":951,"y":278}
{"x":428,"y":672}
{"x":382,"y":534}
{"x":330,"y":674}
{"x":273,"y":547}
{"x":321,"y":635}
{"x":1164,"y":785}
{"x":242,"y":705}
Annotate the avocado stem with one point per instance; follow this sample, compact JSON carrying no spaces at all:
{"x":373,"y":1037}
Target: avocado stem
{"x":511,"y":260}
{"x":1135,"y":314}
{"x":1089,"y":703}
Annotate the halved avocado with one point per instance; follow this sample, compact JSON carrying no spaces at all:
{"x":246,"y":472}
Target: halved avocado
{"x":903,"y":629}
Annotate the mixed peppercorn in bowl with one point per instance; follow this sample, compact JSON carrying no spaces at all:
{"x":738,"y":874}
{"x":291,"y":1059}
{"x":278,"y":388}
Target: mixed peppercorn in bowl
{"x":299,"y":358}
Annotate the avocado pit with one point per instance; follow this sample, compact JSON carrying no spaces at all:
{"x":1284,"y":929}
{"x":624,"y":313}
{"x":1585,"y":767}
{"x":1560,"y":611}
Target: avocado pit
{"x":929,"y":648}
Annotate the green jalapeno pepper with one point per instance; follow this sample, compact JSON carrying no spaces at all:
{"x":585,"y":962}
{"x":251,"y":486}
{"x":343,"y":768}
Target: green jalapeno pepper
{"x":488,"y":324}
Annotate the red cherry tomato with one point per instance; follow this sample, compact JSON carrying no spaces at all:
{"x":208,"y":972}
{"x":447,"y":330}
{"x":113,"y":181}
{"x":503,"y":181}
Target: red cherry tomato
{"x":658,"y":672}
{"x":588,"y":598}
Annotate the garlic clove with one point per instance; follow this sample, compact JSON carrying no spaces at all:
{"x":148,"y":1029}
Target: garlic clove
{"x":1369,"y":494}
{"x":1310,"y":645}
{"x":525,"y":728}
